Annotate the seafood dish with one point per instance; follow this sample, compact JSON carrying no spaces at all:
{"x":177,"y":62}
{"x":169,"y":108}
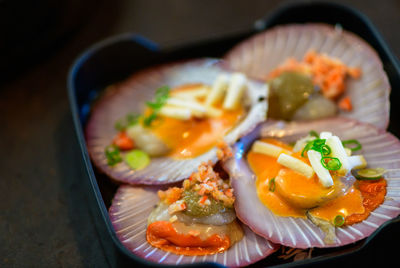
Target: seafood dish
{"x":160,"y":124}
{"x":330,"y":66}
{"x":280,"y":144}
{"x":317,"y":192}
{"x":179,"y":226}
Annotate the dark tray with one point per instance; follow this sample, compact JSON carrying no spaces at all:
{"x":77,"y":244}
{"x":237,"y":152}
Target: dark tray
{"x":117,"y":58}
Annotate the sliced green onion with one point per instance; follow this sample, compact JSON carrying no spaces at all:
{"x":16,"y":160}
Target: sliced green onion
{"x":113,"y":155}
{"x":313,"y":133}
{"x":161,"y":96}
{"x":338,"y":220}
{"x":308,"y":146}
{"x":355,"y":145}
{"x":369,"y":173}
{"x":137,"y":159}
{"x":325,"y":149}
{"x":129,"y":120}
{"x":149,"y":119}
{"x":332,"y":163}
{"x":272,"y":185}
{"x":316,"y":145}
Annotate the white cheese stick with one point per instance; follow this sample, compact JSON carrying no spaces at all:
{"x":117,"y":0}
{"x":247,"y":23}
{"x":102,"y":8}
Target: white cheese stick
{"x":195,"y":107}
{"x":200,"y":92}
{"x":323,"y":174}
{"x":357,"y":162}
{"x":337,"y":150}
{"x":213,"y":112}
{"x":217,"y":90}
{"x":235,"y":91}
{"x":348,"y":151}
{"x":300,"y":144}
{"x":325,"y":135}
{"x":295,"y":164}
{"x":176,"y":112}
{"x":268,"y":149}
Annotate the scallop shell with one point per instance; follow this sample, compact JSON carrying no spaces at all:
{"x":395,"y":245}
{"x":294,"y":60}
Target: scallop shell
{"x":131,"y":96}
{"x":129,"y":211}
{"x":262,"y":53}
{"x":380,"y":149}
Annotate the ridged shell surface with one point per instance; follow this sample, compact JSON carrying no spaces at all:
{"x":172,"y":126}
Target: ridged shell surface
{"x":261,"y":54}
{"x":129,"y":212}
{"x":380,"y":149}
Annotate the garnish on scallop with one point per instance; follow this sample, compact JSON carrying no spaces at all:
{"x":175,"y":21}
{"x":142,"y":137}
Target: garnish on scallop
{"x":319,"y":184}
{"x":188,"y":224}
{"x":316,"y":71}
{"x":160,"y":124}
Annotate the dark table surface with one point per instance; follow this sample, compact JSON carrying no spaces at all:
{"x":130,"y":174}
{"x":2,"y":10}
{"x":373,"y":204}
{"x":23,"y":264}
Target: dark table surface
{"x":44,"y":216}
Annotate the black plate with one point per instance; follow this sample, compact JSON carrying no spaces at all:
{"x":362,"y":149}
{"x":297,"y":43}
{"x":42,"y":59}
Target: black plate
{"x":117,"y":58}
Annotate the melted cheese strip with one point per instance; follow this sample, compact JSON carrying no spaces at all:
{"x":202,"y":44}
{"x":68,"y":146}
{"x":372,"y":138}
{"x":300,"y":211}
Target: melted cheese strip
{"x":195,"y":107}
{"x":296,"y":165}
{"x":235,"y":92}
{"x":218,"y":90}
{"x":268,"y":149}
{"x":323,"y":174}
{"x":197,"y":91}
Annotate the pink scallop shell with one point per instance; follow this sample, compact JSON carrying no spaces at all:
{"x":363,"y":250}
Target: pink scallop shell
{"x":129,"y":211}
{"x":262,"y":53}
{"x":131,"y":96}
{"x":381,"y":149}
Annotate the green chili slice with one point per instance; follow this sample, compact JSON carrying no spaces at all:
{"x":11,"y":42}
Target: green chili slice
{"x":369,"y":173}
{"x":338,"y":221}
{"x":308,"y":146}
{"x":129,"y":120}
{"x":331,"y":163}
{"x":353,"y":145}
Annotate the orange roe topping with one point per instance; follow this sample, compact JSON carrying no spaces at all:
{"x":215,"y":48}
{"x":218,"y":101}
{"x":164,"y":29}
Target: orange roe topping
{"x":224,"y":152}
{"x":171,"y":195}
{"x":206,"y":182}
{"x":163,"y":235}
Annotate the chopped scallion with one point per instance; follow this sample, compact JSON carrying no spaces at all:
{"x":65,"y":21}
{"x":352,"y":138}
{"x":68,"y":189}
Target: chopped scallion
{"x":113,"y":155}
{"x":338,"y":221}
{"x":331,"y":163}
{"x":353,"y":145}
{"x":272,"y":185}
{"x":129,"y":120}
{"x":161,"y":96}
{"x":325,"y":150}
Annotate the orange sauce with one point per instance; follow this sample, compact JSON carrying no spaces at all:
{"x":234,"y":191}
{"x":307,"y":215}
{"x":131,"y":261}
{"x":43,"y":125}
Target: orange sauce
{"x":193,"y":137}
{"x":373,"y":193}
{"x":294,"y":194}
{"x":163,"y":235}
{"x":344,"y":205}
